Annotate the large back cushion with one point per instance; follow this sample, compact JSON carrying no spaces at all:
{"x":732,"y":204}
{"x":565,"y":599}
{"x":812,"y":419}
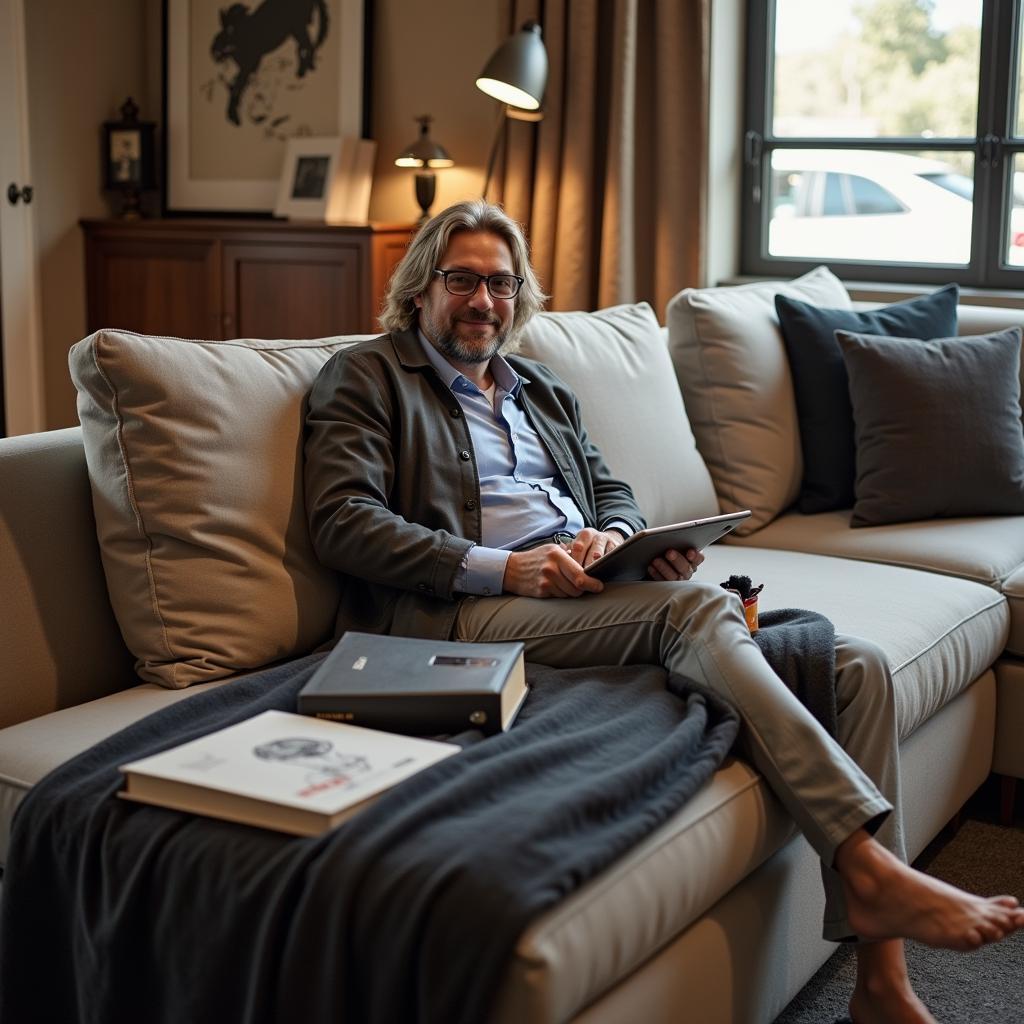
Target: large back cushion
{"x":194,"y":455}
{"x":730,"y":359}
{"x":617,"y":362}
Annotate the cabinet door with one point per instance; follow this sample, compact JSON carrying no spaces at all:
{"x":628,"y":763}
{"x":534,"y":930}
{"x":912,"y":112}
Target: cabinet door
{"x":389,"y":246}
{"x":154,"y":285}
{"x":295,"y":289}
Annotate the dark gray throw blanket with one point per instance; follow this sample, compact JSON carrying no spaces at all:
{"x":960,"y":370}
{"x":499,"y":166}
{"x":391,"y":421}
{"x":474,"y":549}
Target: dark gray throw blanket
{"x":115,"y":912}
{"x":801,"y":647}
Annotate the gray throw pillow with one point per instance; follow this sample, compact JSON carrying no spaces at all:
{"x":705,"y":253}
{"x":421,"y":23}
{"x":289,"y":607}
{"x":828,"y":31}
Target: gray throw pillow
{"x":938,"y":426}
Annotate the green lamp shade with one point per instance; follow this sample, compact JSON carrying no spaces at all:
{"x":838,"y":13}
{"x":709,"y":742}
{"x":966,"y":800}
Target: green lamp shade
{"x":517,"y":72}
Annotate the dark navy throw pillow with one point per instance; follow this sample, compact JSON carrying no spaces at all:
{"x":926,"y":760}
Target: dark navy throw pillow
{"x":821,"y":385}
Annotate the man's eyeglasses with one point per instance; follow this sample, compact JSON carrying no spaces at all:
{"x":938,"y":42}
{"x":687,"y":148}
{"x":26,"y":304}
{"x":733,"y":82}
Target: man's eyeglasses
{"x":499,"y":286}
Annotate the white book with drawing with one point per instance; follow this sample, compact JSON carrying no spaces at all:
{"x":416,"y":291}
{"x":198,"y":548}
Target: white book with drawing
{"x":291,"y":773}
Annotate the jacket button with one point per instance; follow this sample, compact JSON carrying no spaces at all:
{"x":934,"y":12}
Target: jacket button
{"x":471,"y":504}
{"x":464,"y":455}
{"x":456,"y":412}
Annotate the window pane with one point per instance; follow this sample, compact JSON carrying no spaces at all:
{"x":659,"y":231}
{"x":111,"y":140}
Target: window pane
{"x":1019,"y":78}
{"x":865,"y":205}
{"x":876,"y":68}
{"x":1015,"y":234}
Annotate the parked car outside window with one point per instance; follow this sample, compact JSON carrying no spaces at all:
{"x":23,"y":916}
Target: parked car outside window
{"x":875,"y":206}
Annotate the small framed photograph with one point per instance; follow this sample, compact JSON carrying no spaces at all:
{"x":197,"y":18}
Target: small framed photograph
{"x":326,"y":179}
{"x":128,"y":156}
{"x":308,"y":177}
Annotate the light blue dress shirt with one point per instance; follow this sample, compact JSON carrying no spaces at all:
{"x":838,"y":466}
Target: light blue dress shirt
{"x":522,"y":495}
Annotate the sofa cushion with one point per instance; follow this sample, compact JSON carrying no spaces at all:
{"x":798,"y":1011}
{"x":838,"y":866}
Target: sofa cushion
{"x":732,"y":368}
{"x":973,"y":320}
{"x":1013,"y":589}
{"x":938,"y":633}
{"x":987,"y":550}
{"x":938,"y":426}
{"x":1008,"y":755}
{"x":193,"y":449}
{"x":632,"y":407}
{"x":58,"y":634}
{"x":821,"y":385}
{"x":32,"y":749}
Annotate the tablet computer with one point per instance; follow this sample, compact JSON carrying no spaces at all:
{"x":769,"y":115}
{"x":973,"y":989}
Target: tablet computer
{"x":630,"y":559}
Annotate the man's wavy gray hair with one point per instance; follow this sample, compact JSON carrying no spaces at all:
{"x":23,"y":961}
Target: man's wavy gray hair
{"x":416,"y":271}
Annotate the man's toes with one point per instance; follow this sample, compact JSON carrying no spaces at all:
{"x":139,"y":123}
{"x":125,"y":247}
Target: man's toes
{"x":1008,"y":901}
{"x":991,"y":931}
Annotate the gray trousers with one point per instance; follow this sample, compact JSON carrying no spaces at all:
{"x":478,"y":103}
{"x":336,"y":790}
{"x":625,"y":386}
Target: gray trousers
{"x":697,"y":630}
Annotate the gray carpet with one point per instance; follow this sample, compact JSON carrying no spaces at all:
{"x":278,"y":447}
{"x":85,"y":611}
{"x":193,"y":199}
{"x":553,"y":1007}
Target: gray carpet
{"x":984,"y":987}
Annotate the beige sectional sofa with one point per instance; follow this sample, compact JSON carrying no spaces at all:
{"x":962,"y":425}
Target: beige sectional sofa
{"x":713,"y":918}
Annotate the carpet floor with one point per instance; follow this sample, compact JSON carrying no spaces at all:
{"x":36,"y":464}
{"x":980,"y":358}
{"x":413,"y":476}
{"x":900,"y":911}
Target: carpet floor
{"x":984,"y":987}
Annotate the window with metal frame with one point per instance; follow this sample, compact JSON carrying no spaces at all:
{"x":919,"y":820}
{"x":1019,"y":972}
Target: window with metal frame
{"x":885,"y":138}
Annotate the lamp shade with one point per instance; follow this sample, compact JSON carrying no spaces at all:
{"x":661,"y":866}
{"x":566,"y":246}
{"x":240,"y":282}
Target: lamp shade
{"x":424,"y":151}
{"x":517,"y":72}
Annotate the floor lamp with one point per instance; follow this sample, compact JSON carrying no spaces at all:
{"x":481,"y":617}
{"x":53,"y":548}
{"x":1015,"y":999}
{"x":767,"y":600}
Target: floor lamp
{"x":516,"y":76}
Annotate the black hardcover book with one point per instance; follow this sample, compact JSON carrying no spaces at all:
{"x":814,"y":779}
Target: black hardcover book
{"x":418,"y":687}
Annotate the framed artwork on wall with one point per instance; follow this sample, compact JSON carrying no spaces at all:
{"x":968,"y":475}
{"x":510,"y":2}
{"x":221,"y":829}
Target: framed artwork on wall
{"x":241,"y":80}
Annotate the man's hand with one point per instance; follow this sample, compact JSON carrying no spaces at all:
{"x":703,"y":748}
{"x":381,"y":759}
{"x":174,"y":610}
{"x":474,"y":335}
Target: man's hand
{"x":589,"y":544}
{"x":547,"y":571}
{"x":673,"y":566}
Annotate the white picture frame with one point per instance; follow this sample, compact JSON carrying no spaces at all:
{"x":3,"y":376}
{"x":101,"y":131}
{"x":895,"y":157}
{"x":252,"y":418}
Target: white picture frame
{"x":223,"y":152}
{"x":326,"y":179}
{"x":310,"y":179}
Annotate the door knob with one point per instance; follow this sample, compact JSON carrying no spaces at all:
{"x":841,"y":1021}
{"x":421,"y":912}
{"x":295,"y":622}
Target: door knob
{"x":14,"y":194}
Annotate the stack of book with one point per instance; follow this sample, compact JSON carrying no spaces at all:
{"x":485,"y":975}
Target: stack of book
{"x":309,"y":772}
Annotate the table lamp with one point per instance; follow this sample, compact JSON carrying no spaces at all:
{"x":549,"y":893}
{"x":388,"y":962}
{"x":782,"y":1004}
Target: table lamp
{"x":424,"y":152}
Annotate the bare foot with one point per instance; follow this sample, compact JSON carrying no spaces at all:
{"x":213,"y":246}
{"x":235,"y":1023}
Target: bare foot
{"x":887,"y":899}
{"x":896,"y":1007}
{"x":883,"y":994}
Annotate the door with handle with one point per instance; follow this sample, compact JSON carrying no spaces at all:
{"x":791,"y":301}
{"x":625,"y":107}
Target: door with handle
{"x":20,"y":321}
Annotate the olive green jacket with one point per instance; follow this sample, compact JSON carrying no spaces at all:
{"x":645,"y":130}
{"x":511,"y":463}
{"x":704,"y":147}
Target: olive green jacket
{"x":391,"y":484}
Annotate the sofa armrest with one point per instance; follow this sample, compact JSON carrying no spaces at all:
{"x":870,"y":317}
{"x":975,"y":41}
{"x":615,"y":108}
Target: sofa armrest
{"x":60,"y":641}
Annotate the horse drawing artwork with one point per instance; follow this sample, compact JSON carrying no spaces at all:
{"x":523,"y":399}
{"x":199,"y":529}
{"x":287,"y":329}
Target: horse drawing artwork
{"x":247,"y":36}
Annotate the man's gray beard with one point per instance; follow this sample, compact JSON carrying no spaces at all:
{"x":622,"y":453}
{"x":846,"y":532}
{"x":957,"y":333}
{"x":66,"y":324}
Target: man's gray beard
{"x":449,"y":344}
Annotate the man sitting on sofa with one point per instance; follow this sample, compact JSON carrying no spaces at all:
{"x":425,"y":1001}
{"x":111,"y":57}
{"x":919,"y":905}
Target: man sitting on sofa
{"x":458,"y":492}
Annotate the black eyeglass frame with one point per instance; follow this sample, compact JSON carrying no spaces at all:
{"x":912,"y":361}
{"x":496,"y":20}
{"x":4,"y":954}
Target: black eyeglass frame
{"x":486,"y":278}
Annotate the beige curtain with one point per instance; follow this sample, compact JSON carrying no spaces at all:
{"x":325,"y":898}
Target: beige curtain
{"x":610,"y":184}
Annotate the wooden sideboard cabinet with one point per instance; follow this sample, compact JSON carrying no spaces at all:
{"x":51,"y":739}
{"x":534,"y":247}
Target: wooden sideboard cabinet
{"x":199,"y":278}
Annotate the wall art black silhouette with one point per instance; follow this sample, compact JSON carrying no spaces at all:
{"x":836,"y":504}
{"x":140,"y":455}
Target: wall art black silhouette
{"x":246,"y":37}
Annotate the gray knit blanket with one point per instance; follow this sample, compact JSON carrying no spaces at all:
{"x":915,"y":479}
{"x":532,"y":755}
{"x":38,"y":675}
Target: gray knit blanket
{"x":117,"y":913}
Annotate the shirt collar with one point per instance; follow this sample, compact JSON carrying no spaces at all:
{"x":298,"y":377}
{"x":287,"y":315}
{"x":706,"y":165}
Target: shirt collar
{"x":504,"y":376}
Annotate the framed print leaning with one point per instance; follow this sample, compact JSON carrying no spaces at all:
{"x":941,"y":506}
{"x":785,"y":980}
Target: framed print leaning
{"x":240,"y":80}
